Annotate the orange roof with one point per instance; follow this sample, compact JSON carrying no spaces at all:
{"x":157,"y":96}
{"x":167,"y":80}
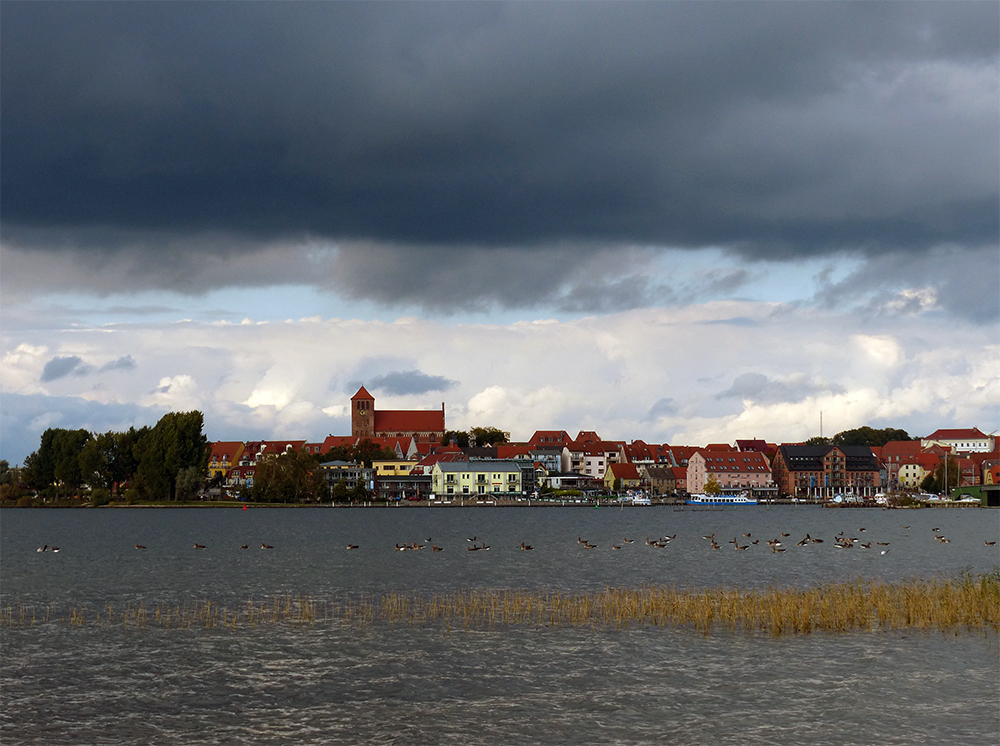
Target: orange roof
{"x":362,"y":394}
{"x":413,"y":421}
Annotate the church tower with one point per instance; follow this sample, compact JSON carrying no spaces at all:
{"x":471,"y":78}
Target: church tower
{"x":363,"y":414}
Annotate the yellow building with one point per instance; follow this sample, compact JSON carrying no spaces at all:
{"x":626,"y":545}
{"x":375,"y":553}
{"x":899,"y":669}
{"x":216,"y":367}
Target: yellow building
{"x":222,"y":456}
{"x":393,"y":468}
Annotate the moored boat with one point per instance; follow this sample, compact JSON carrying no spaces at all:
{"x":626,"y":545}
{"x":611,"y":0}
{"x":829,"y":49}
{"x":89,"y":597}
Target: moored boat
{"x":702,"y":499}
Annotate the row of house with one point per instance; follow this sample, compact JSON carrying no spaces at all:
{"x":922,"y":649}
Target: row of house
{"x":587,"y":462}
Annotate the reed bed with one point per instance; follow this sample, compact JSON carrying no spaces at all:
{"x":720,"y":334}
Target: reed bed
{"x":944,"y":605}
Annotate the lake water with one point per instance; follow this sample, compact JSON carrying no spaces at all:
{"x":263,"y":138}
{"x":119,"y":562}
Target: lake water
{"x":330,"y":683}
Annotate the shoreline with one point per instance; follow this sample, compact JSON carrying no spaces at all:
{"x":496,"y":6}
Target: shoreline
{"x":676,"y":505}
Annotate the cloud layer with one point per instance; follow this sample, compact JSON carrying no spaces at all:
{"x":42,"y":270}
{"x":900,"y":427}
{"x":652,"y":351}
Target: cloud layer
{"x":191,"y":145}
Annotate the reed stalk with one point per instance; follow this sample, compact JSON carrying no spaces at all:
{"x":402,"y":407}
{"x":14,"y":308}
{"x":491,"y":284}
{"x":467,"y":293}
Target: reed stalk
{"x":944,"y":605}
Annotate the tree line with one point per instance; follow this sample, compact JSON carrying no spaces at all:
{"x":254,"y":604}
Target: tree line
{"x":862,"y":436}
{"x":163,"y":462}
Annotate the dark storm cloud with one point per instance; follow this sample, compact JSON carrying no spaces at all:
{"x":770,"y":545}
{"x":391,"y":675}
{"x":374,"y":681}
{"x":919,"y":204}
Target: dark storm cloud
{"x":175,"y":138}
{"x":402,"y":382}
{"x":963,"y":281}
{"x":123,"y":363}
{"x":60,"y":367}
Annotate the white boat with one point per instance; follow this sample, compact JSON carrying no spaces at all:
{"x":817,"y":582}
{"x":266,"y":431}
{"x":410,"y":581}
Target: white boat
{"x":701,"y":499}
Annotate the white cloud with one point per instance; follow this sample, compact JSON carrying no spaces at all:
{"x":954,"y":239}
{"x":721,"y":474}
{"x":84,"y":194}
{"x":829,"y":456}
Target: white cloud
{"x":606,"y":373}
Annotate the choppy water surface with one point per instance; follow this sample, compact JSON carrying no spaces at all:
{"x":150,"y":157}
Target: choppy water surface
{"x":336,"y":684}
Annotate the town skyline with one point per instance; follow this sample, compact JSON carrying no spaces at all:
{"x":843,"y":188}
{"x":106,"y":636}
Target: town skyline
{"x":675,"y":222}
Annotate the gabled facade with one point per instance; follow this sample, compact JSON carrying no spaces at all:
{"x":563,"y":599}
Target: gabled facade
{"x":590,"y":459}
{"x":660,"y":479}
{"x":222,"y":456}
{"x":550,"y":438}
{"x":628,"y":474}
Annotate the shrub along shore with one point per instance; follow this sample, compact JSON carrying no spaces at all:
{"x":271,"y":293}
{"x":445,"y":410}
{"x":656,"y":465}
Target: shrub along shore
{"x":966,"y":604}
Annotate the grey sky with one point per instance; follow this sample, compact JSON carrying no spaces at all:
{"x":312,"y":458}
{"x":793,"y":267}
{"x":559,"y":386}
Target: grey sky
{"x":176,"y":139}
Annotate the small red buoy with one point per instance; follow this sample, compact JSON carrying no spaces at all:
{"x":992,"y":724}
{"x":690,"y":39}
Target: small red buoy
{"x":244,"y":507}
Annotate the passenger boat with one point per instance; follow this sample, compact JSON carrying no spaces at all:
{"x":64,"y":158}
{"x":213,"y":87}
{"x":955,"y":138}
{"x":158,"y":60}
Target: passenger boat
{"x":720,"y":500}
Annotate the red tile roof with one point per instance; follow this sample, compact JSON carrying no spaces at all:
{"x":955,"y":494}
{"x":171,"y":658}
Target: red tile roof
{"x":973,"y":433}
{"x":505,"y":450}
{"x":362,"y":394}
{"x":550,"y":438}
{"x":624,"y":471}
{"x":388,"y":421}
{"x":280,"y":446}
{"x":225,"y":449}
{"x":332,"y":441}
{"x":900,"y":448}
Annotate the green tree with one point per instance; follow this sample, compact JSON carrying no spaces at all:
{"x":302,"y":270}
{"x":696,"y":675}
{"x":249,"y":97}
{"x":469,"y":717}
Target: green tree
{"x":712,"y":486}
{"x":488,"y":436}
{"x":175,"y":443}
{"x":359,"y":493}
{"x":869,"y":436}
{"x":818,"y":440}
{"x":57,"y":460}
{"x":338,"y":492}
{"x":188,"y":481}
{"x":460,"y":437}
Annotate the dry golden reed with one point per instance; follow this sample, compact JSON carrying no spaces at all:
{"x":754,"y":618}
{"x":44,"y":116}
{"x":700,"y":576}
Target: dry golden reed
{"x":967,"y":603}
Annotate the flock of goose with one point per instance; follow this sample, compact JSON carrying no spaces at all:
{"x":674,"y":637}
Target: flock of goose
{"x":840,"y":541}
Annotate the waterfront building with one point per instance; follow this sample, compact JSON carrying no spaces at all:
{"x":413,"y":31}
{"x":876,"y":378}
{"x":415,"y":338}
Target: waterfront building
{"x":476,"y":478}
{"x":660,"y":479}
{"x":734,"y":471}
{"x":826,"y":470}
{"x":352,"y":474}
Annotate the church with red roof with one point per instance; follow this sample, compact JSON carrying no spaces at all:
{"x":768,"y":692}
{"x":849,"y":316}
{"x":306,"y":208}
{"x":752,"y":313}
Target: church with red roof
{"x":424,"y":426}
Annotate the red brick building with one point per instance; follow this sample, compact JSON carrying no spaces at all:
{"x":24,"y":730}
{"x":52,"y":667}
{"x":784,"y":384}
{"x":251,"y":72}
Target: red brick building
{"x":825,"y":471}
{"x":424,"y":426}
